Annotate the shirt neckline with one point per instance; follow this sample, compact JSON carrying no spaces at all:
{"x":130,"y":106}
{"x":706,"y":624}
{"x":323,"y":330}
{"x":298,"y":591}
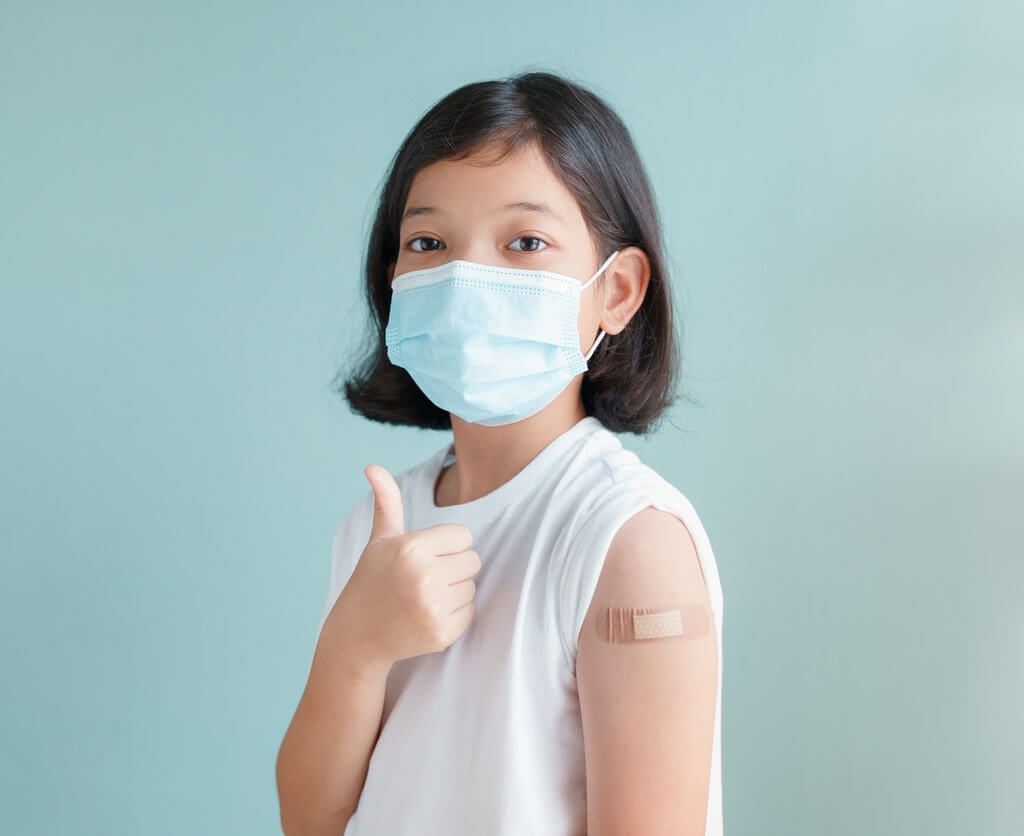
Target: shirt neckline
{"x":515,"y":488}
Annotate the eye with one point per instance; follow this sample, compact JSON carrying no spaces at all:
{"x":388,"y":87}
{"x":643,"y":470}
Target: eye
{"x":423,"y":238}
{"x":531,"y":249}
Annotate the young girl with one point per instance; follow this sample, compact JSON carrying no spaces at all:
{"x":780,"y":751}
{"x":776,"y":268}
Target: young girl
{"x":522,"y":633}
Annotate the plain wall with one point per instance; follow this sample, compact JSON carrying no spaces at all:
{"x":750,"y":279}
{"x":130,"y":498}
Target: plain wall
{"x":185,"y":194}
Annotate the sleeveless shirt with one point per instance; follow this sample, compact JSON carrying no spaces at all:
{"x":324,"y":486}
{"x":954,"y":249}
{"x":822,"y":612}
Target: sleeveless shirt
{"x":486,"y":736}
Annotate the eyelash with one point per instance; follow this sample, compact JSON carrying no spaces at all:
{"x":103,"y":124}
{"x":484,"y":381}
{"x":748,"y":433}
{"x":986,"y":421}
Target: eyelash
{"x":520,"y":238}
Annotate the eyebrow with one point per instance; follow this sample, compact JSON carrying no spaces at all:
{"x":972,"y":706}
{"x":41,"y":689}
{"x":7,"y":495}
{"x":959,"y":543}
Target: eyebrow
{"x":521,"y":205}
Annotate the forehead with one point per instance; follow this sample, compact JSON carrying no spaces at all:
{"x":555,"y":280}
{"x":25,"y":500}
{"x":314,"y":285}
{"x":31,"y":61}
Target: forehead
{"x":482,"y":183}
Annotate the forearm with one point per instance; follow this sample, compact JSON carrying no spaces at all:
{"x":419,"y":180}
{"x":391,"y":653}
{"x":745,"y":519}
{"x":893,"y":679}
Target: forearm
{"x":323,"y":760}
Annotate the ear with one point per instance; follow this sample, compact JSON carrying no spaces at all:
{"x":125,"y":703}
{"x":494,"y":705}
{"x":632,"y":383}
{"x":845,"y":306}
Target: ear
{"x":625,"y":287}
{"x":391,"y":273}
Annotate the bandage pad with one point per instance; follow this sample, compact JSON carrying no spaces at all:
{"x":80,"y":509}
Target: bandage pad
{"x":638,"y":624}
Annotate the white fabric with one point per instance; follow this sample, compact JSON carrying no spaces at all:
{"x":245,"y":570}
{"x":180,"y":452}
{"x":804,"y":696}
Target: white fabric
{"x":486,"y":736}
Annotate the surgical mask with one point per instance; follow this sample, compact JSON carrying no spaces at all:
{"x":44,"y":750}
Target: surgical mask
{"x":493,"y":345}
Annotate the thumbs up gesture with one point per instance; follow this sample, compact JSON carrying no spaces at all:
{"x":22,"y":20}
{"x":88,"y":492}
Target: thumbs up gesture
{"x":412,"y":592}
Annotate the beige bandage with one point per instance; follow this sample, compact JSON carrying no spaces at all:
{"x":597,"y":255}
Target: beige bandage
{"x":633,"y":624}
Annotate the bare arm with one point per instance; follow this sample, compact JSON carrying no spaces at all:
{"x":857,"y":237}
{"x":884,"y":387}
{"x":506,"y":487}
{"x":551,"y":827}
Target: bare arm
{"x":323,"y":760}
{"x":648,"y":708}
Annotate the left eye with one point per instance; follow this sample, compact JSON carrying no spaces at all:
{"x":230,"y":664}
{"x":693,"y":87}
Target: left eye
{"x":533,"y":238}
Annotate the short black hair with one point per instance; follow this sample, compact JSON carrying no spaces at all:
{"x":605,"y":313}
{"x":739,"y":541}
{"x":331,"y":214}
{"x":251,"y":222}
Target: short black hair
{"x":633,"y":375}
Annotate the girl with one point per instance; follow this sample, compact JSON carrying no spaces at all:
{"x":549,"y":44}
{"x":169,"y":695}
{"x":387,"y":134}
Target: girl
{"x":522,"y":633}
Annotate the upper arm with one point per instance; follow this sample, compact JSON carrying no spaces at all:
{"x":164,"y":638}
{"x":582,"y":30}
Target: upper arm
{"x":648,"y":707}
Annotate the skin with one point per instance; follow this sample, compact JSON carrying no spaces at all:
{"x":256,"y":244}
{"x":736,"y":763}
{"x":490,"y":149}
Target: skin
{"x":647,"y":708}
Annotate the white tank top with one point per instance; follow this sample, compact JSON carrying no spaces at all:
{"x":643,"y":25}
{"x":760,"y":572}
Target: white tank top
{"x":485,"y":737}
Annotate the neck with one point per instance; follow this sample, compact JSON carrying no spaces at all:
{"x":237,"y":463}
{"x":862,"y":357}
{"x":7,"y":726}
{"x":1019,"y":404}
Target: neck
{"x":488,"y":457}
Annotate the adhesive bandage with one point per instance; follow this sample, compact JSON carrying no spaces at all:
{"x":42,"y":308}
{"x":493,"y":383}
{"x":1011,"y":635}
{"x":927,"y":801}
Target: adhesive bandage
{"x":633,"y":624}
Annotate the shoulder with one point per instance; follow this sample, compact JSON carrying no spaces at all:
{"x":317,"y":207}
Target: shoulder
{"x":652,"y":562}
{"x":632,"y":525}
{"x":355,"y":525}
{"x":628,"y":498}
{"x":652,"y":552}
{"x":358,"y":517}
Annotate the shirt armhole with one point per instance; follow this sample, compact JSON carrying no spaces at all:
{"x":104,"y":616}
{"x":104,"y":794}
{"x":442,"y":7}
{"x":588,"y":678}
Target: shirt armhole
{"x":347,"y":544}
{"x":585,"y":559}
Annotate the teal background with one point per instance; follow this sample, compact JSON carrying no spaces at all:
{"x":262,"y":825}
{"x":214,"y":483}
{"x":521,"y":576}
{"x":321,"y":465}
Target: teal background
{"x":185,"y":194}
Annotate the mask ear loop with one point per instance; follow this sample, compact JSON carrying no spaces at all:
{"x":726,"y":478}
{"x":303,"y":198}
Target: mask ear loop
{"x":593,"y":348}
{"x":602,"y":333}
{"x":600,"y":270}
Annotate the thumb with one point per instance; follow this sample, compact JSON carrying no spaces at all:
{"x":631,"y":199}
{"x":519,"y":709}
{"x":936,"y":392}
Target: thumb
{"x":388,"y":518}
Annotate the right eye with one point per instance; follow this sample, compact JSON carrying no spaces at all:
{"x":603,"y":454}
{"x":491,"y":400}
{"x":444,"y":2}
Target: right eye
{"x":415,"y":249}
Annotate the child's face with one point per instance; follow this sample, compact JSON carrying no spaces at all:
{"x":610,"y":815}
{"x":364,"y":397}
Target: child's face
{"x":461,"y":210}
{"x":469,"y":217}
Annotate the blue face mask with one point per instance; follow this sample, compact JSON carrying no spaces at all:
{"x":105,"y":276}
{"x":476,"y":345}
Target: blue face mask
{"x":493,"y":345}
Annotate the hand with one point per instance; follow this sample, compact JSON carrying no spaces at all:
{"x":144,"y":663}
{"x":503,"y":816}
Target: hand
{"x":410,"y":593}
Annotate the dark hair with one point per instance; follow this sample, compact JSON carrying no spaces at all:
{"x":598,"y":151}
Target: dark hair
{"x":632,"y":375}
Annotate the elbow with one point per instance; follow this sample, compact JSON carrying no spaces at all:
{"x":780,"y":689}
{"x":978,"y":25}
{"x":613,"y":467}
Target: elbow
{"x":302,"y":816}
{"x":298,"y":822}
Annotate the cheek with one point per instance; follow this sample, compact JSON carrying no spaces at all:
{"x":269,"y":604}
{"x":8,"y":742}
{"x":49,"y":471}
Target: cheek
{"x":591,"y":311}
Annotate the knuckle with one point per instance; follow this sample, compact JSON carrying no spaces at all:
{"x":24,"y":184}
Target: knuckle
{"x":407,"y":550}
{"x":423,"y":586}
{"x":440,"y":635}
